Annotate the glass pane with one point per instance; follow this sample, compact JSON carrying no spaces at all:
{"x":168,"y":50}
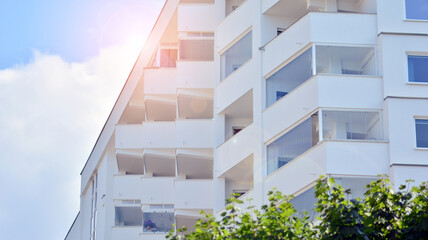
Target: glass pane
{"x":289,"y":77}
{"x":292,"y":144}
{"x":128,"y":216}
{"x":348,"y":125}
{"x":345,"y":60}
{"x":305,"y":202}
{"x":158,"y":222}
{"x":417,"y":9}
{"x":197,"y":50}
{"x":168,"y":57}
{"x":418,"y":68}
{"x":422,"y":133}
{"x":236,"y":56}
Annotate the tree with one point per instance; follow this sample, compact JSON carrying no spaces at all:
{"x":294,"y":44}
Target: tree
{"x":382,"y":214}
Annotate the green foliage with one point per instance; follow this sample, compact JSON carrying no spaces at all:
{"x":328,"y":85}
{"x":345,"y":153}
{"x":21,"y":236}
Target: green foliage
{"x":382,"y":214}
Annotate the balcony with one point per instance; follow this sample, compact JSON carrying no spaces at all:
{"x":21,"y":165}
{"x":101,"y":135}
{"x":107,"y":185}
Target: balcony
{"x":196,"y":18}
{"x":146,"y":189}
{"x":363,"y":158}
{"x":178,"y":134}
{"x":160,"y":80}
{"x":193,"y":194}
{"x":322,"y":91}
{"x":343,"y":28}
{"x":236,"y":23}
{"x":119,"y":233}
{"x":235,"y":85}
{"x":195,"y":74}
{"x":236,"y":149}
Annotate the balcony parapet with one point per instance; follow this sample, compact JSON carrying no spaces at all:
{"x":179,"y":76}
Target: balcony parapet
{"x":166,"y":134}
{"x":361,"y":158}
{"x":193,"y":194}
{"x":328,"y":91}
{"x":160,"y":80}
{"x":333,"y":28}
{"x":235,"y":85}
{"x":236,"y":149}
{"x":234,"y":25}
{"x":195,"y":74}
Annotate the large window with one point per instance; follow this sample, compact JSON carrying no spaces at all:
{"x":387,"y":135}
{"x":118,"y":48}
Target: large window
{"x":335,"y":125}
{"x":292,"y":144}
{"x":418,"y":68}
{"x":345,"y":60}
{"x":158,"y":218}
{"x":340,"y":60}
{"x":197,"y":50}
{"x":422,"y":133}
{"x":128,"y":216}
{"x":347,"y":125}
{"x":236,"y":55}
{"x":289,"y":77}
{"x":417,"y":9}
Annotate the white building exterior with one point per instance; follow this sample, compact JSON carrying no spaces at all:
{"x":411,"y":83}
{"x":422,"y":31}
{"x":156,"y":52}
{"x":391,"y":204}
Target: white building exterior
{"x":234,"y":96}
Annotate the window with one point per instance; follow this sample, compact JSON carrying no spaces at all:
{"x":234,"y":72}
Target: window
{"x":158,"y":218}
{"x":422,"y":133}
{"x":279,"y":31}
{"x":234,"y":57}
{"x":289,"y":77}
{"x":197,"y":49}
{"x":351,"y":125}
{"x":417,"y":9}
{"x":128,"y":216}
{"x":345,"y":60}
{"x":292,"y":144}
{"x":418,"y":68}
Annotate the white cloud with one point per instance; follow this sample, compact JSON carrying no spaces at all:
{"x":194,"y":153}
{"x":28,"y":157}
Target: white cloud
{"x":51,"y":112}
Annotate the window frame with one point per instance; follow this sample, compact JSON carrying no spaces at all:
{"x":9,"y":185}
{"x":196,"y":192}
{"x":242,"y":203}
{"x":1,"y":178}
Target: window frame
{"x":406,"y":18}
{"x":415,"y":54}
{"x":416,"y":132}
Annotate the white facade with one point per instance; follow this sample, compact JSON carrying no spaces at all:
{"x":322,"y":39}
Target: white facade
{"x":242,"y":96}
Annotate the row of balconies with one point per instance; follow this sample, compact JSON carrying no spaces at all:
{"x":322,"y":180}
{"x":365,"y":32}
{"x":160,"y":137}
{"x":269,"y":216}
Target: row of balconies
{"x":184,"y":194}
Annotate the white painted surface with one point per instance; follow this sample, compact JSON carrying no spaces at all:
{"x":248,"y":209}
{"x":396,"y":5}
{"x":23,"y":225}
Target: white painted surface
{"x":204,"y":13}
{"x":234,"y":25}
{"x":399,"y":175}
{"x":160,"y":80}
{"x":234,"y":86}
{"x":392,"y":18}
{"x":158,"y":190}
{"x":236,"y":149}
{"x":74,"y":232}
{"x":125,"y":233}
{"x":166,"y":134}
{"x":402,"y":132}
{"x":195,"y":74}
{"x":193,"y":194}
{"x":395,"y":65}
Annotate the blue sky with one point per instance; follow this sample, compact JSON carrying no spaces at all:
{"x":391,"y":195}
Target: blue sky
{"x":62,"y":66}
{"x":73,"y":29}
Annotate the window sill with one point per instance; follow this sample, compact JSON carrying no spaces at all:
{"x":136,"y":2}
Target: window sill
{"x":421,"y":148}
{"x":418,"y":83}
{"x":416,"y":20}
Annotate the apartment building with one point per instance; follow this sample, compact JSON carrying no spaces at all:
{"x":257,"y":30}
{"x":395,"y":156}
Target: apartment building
{"x":234,"y":96}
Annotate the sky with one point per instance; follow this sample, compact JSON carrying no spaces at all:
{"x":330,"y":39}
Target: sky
{"x":62,"y":66}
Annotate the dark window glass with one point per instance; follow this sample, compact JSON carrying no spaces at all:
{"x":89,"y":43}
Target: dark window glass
{"x":417,"y":9}
{"x":422,"y":133}
{"x":418,"y":68}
